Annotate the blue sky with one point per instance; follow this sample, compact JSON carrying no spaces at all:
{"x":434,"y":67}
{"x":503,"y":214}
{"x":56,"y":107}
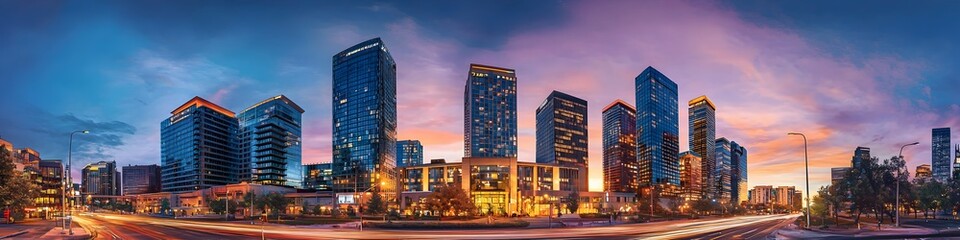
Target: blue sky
{"x":875,"y":73}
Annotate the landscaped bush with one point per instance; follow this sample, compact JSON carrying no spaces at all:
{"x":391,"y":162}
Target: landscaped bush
{"x":449,"y":225}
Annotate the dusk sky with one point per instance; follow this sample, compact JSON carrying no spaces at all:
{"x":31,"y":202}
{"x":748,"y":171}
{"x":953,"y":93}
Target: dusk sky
{"x":850,"y":73}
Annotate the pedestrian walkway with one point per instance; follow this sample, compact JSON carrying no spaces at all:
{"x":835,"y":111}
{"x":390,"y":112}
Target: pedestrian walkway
{"x":55,"y":233}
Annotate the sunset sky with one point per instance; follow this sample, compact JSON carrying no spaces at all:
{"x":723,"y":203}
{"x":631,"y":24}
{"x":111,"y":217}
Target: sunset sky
{"x":848,"y":74}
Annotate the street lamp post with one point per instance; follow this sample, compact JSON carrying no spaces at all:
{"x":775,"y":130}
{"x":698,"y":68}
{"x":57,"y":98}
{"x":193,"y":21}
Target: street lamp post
{"x":360,"y":203}
{"x":68,"y":222}
{"x":806,"y":164}
{"x":897,"y":210}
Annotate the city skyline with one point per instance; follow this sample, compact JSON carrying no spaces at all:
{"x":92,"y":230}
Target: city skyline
{"x":121,"y":102}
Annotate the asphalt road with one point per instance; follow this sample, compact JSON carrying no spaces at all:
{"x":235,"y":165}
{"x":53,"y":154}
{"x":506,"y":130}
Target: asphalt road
{"x":109,"y":226}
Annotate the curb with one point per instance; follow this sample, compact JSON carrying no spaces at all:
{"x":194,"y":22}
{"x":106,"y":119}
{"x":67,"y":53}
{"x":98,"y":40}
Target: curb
{"x":14,"y":234}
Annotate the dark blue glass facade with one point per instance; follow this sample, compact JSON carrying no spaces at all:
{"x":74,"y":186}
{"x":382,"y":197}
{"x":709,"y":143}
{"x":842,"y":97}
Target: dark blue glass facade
{"x":490,"y":112}
{"x":620,"y":167}
{"x":409,"y":153}
{"x":198,"y":147}
{"x":738,"y":159}
{"x":940,"y":154}
{"x":364,"y":116}
{"x":562,"y":130}
{"x":723,"y":172}
{"x":270,"y":142}
{"x":657,"y":128}
{"x":318,"y":176}
{"x":703,"y":128}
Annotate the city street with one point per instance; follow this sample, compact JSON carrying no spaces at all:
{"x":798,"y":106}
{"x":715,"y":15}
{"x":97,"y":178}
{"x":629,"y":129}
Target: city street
{"x":110,"y":226}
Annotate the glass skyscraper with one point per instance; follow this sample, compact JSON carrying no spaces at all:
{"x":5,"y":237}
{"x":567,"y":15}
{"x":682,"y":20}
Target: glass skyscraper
{"x":738,"y":173}
{"x":141,"y":179}
{"x":198,"y":147}
{"x":409,"y":153}
{"x":620,"y":168}
{"x":657,"y":128}
{"x":318,"y":176}
{"x":490,"y":112}
{"x":940,"y":151}
{"x":703,"y":128}
{"x":562,"y":130}
{"x":859,"y":155}
{"x":723,"y":173}
{"x":101,"y":178}
{"x":364,"y":117}
{"x":270,"y":137}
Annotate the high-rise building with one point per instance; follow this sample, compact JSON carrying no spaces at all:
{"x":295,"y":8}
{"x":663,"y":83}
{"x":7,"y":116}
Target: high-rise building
{"x":940,"y":151}
{"x":100,"y":178}
{"x":956,"y":163}
{"x":620,"y":167}
{"x":364,"y":117}
{"x":703,"y":128}
{"x":762,"y":195}
{"x":784,"y":195}
{"x":318,"y":176}
{"x":691,"y":187}
{"x":490,"y":112}
{"x":837,"y":174}
{"x":51,"y":185}
{"x":270,"y":142}
{"x":738,"y":173}
{"x":657,"y":128}
{"x":861,"y":154}
{"x":562,"y":130}
{"x":723,"y":173}
{"x":923,"y":172}
{"x":198,"y":147}
{"x":409,"y":153}
{"x":141,"y":179}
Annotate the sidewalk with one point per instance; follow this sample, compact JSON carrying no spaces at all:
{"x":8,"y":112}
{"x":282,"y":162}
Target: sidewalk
{"x":20,"y":228}
{"x":794,"y":232}
{"x":78,"y":233}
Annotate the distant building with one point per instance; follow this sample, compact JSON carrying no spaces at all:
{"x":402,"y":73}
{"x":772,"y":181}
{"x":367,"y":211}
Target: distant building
{"x":409,"y":153}
{"x":364,"y":117}
{"x":100,"y":178}
{"x":723,"y":172}
{"x":620,"y":167}
{"x":318,"y":176}
{"x":198,"y":147}
{"x":784,"y":195}
{"x":923,"y":172}
{"x":797,"y":200}
{"x":940,"y":151}
{"x":490,"y":112}
{"x":657,"y":128}
{"x":956,"y":163}
{"x":703,"y":128}
{"x":562,"y":130}
{"x":861,"y":154}
{"x":51,"y":186}
{"x":141,"y":179}
{"x":738,"y":173}
{"x":691,"y":187}
{"x":762,"y":195}
{"x":837,"y":174}
{"x":270,"y":142}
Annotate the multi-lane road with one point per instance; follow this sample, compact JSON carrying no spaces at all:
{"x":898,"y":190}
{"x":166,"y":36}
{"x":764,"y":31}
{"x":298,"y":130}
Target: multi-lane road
{"x":111,"y":226}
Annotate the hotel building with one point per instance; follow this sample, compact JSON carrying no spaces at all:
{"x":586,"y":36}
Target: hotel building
{"x":490,"y":112}
{"x":198,"y":147}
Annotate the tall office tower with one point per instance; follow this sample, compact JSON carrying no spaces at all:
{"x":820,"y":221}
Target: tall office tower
{"x":100,"y":178}
{"x":703,"y":128}
{"x":51,"y":185}
{"x":198,"y":147}
{"x":738,"y":173}
{"x":723,"y":172}
{"x":141,"y":179}
{"x":861,"y":154}
{"x":409,"y":153}
{"x":364,"y":117}
{"x":620,"y":168}
{"x":562,"y":130}
{"x":490,"y":112}
{"x":941,"y":154}
{"x":270,"y":142}
{"x":691,"y":187}
{"x":657,"y":128}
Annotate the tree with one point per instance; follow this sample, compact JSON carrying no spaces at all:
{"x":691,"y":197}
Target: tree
{"x":929,"y":196}
{"x":821,"y":206}
{"x":220,"y":206}
{"x":573,"y":201}
{"x":702,"y":205}
{"x":376,"y":205}
{"x":274,"y":202}
{"x":164,"y":206}
{"x":449,"y":199}
{"x":17,"y":190}
{"x":836,"y":199}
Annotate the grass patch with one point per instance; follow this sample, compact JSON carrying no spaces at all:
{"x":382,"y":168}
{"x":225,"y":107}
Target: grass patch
{"x":449,"y":225}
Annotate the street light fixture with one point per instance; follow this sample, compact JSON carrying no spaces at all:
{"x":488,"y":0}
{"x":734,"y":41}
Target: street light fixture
{"x":806,"y":164}
{"x":68,"y":221}
{"x":897,"y":210}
